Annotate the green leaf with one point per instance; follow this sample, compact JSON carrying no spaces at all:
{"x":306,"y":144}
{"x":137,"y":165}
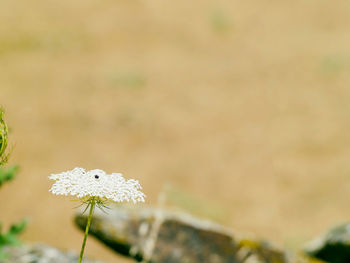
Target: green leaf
{"x":7,"y":174}
{"x":11,"y":237}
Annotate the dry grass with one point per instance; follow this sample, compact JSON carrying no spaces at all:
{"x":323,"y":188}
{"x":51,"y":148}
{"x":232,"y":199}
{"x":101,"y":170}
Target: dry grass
{"x":242,"y":103}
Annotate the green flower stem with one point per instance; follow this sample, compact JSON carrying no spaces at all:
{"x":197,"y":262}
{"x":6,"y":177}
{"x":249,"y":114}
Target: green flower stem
{"x":92,"y":205}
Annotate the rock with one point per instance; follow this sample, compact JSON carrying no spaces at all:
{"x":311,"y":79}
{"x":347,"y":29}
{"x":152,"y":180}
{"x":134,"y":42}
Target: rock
{"x":160,"y":236}
{"x":302,"y":258}
{"x":333,"y":246}
{"x":40,"y":254}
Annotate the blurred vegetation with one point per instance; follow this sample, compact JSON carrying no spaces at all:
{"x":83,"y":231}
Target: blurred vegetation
{"x":7,"y":174}
{"x":335,"y":63}
{"x":203,"y":208}
{"x":220,"y":21}
{"x":4,"y":155}
{"x":10,"y":238}
{"x":131,"y":80}
{"x":21,"y":42}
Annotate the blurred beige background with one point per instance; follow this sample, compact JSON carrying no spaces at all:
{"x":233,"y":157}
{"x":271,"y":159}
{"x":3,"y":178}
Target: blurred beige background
{"x":242,"y":105}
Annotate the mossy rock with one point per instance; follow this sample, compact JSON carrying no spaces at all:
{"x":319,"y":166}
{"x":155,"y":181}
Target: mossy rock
{"x":162,"y":236}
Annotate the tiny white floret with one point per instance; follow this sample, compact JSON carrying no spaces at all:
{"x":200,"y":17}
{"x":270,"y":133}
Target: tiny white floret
{"x":96,"y":183}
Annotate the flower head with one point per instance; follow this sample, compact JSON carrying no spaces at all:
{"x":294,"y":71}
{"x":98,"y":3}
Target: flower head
{"x":96,"y":183}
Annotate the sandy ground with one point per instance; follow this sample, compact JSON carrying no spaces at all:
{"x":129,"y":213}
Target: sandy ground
{"x":242,"y":106}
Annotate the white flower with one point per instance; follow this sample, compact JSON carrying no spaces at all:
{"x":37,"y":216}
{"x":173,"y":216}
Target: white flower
{"x":96,"y":183}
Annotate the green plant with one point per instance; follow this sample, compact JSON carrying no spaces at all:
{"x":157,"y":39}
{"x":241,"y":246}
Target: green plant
{"x":10,"y":238}
{"x":7,"y":174}
{"x":4,"y":155}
